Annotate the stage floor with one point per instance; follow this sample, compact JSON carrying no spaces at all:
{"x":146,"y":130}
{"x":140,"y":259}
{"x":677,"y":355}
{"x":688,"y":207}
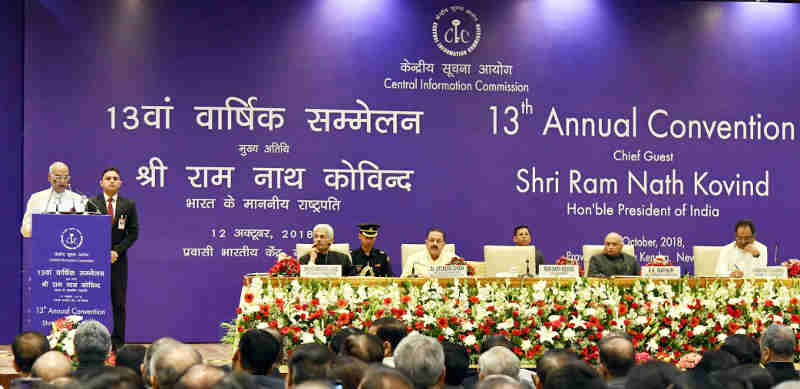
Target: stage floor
{"x":213,"y":353}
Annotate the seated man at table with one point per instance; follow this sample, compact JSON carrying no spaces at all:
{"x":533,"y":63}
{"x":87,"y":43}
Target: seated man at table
{"x":522,"y":237}
{"x":434,"y":255}
{"x":613,"y":262}
{"x":738,"y":258}
{"x":321,"y":254}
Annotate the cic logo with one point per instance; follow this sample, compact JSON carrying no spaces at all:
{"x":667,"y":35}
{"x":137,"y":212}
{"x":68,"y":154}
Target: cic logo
{"x":71,"y":238}
{"x":456,"y":31}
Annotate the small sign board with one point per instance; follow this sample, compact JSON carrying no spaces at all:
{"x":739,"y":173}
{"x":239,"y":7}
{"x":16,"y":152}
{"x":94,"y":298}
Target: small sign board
{"x":321,"y":271}
{"x":770,"y":272}
{"x":448,"y":271}
{"x":559,"y":271}
{"x":661,"y":271}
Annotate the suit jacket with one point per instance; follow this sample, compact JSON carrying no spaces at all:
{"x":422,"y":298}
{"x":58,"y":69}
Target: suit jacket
{"x":782,"y":371}
{"x":601,"y":265}
{"x":121,"y":239}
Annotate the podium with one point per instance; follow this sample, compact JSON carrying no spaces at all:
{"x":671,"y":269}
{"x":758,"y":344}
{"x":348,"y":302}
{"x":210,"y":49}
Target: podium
{"x":68,"y":271}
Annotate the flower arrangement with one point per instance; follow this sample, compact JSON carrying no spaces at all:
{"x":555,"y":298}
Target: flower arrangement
{"x":461,"y":261}
{"x":659,"y":260}
{"x":62,"y":335}
{"x":667,"y":320}
{"x":286,"y":266}
{"x":793,"y":267}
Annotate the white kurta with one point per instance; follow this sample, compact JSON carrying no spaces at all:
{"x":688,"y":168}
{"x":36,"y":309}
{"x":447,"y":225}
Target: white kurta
{"x":422,"y":261}
{"x":59,"y":202}
{"x":732,"y":258}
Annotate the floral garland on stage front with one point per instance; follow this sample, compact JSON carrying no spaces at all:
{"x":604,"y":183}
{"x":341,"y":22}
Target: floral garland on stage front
{"x":665,"y":319}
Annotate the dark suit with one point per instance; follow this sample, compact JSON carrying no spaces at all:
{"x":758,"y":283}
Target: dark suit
{"x":121,"y":240}
{"x":782,"y":371}
{"x":602,"y":265}
{"x":331,"y":258}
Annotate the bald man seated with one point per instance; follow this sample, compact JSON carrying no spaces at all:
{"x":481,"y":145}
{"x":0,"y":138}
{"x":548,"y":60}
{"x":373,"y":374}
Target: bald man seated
{"x":613,"y":262}
{"x":52,"y":365}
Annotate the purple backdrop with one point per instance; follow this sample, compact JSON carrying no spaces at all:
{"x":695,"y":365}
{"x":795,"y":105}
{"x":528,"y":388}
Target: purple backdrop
{"x":676,"y":62}
{"x":11,"y":162}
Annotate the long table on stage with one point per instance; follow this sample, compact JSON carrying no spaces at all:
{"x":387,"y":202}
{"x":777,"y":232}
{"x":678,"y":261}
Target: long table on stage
{"x":665,"y":317}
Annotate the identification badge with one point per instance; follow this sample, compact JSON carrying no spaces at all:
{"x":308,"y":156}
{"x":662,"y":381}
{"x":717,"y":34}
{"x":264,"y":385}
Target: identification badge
{"x":121,"y":224}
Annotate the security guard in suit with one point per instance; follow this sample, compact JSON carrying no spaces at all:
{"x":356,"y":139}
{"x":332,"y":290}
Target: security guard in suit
{"x":368,"y":261}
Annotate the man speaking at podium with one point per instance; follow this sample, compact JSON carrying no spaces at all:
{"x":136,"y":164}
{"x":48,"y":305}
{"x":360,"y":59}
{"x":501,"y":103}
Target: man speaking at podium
{"x":124,"y":232}
{"x":56,"y":198}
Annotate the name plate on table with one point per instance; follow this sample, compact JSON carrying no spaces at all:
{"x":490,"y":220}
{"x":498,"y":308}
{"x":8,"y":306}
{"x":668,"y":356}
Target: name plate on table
{"x":661,"y":271}
{"x":321,"y":271}
{"x":770,"y":272}
{"x":559,"y":271}
{"x":448,"y":271}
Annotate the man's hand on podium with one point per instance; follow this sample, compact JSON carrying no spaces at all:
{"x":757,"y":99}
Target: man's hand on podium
{"x":114,"y":256}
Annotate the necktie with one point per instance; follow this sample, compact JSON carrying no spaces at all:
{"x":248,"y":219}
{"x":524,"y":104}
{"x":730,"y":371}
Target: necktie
{"x":111,"y":209}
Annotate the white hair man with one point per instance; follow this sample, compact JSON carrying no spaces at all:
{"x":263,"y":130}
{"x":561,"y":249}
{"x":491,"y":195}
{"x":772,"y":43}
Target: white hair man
{"x":612,"y":261}
{"x":777,"y":353}
{"x":421,"y":359}
{"x":498,"y":360}
{"x":56,"y":198}
{"x":321,"y":254}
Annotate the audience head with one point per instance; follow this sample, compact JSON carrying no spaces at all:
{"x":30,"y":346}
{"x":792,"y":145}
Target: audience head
{"x":714,"y":360}
{"x":131,"y":356}
{"x":308,"y":362}
{"x":26,"y":348}
{"x":421,"y":359}
{"x":382,"y":377}
{"x":157,"y":345}
{"x":236,"y":380}
{"x":456,"y":363}
{"x":347,"y":370}
{"x":744,"y":348}
{"x":316,"y":384}
{"x":337,"y":339}
{"x":778,"y":344}
{"x":499,"y":381}
{"x":257,"y":353}
{"x":52,"y":365}
{"x":65,"y":383}
{"x":788,"y":385}
{"x":552,"y":360}
{"x":279,"y":337}
{"x":391,"y":331}
{"x":115,"y":378}
{"x":498,"y":360}
{"x":617,"y":356}
{"x":170,"y":362}
{"x":496,"y":340}
{"x":92,"y":343}
{"x":200,"y":376}
{"x":652,"y":374}
{"x":727,"y":379}
{"x":574,"y":375}
{"x":366,"y":347}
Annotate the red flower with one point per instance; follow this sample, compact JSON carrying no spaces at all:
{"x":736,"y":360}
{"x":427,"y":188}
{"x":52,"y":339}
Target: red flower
{"x":387,"y":301}
{"x":264,"y":309}
{"x":273,"y":324}
{"x":442,"y":322}
{"x":405,"y":299}
{"x":474,"y":299}
{"x":379,"y":313}
{"x":238,"y":312}
{"x":248,"y":297}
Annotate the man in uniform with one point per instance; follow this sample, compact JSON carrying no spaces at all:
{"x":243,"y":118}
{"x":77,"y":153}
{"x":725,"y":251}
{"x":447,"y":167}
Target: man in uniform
{"x":366,"y":258}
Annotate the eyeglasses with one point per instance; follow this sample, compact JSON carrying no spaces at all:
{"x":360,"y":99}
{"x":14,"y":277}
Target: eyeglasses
{"x":744,"y":238}
{"x":61,"y":178}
